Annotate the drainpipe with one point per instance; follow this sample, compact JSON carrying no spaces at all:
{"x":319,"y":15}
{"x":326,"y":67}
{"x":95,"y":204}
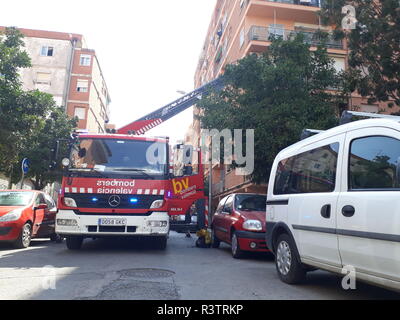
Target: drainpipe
{"x":71,"y":63}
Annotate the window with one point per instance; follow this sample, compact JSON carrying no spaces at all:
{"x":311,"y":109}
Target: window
{"x":43,"y":78}
{"x":50,"y":202}
{"x":82,"y":86}
{"x":339,"y":64}
{"x":242,"y":35}
{"x":228,"y":207}
{"x":47,"y":51}
{"x":308,"y":172}
{"x":85,"y":60}
{"x":374,"y":163}
{"x":221,"y":205}
{"x":80,"y":112}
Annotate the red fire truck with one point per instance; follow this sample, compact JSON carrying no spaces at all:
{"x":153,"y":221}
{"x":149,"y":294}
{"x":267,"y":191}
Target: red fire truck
{"x":124,"y":184}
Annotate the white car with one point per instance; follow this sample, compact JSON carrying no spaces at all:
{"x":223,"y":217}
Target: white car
{"x":334,"y":203}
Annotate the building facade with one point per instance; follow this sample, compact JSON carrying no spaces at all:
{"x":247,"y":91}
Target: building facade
{"x":241,"y":27}
{"x":63,"y":66}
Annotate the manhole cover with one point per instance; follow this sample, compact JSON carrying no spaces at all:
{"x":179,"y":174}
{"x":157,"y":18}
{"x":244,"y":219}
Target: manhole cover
{"x":146,"y":273}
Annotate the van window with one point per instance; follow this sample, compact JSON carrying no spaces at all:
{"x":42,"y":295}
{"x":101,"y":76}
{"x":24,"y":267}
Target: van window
{"x":313,"y":171}
{"x":374,"y":163}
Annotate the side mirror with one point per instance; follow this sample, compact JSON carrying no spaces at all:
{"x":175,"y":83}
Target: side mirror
{"x":41,"y":206}
{"x":187,"y":170}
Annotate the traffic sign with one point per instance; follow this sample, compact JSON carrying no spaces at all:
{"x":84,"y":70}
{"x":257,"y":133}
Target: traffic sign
{"x":25,"y":165}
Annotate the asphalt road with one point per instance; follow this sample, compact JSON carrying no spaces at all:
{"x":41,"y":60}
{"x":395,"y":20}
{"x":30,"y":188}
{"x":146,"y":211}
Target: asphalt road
{"x":114,"y":269}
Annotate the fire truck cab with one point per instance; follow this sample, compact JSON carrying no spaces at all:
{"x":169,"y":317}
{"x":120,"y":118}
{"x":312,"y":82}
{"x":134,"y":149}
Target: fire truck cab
{"x":114,"y":185}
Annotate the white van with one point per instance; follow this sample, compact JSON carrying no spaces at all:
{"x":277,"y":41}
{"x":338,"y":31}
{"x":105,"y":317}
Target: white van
{"x":334,"y":203}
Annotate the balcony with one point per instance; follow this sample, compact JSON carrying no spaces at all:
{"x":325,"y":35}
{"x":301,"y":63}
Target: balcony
{"x":265,"y":34}
{"x":310,"y":3}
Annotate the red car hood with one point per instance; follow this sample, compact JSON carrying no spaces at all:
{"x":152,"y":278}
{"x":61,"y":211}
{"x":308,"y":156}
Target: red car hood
{"x":254,"y":215}
{"x":4,"y":210}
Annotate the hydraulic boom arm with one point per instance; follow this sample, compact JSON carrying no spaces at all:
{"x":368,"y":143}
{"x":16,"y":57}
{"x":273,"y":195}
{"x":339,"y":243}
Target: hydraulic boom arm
{"x":157,"y":117}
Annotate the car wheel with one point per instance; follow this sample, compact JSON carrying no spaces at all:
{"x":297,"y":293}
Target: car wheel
{"x":74,"y":243}
{"x":237,"y":253}
{"x":24,"y":239}
{"x":290,"y":270}
{"x":215,"y":242}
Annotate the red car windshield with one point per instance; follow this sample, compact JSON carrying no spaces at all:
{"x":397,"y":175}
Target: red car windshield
{"x":247,"y":202}
{"x":15,"y":199}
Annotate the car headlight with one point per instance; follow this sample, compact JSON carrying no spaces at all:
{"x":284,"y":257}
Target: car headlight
{"x":13,"y":215}
{"x":157,"y":204}
{"x":69,"y":202}
{"x":252,"y":225}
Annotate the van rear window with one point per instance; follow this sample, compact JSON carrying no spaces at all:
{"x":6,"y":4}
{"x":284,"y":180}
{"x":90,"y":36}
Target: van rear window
{"x":313,"y":171}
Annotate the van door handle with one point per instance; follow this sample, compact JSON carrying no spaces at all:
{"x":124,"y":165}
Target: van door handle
{"x":348,"y":211}
{"x":326,"y":211}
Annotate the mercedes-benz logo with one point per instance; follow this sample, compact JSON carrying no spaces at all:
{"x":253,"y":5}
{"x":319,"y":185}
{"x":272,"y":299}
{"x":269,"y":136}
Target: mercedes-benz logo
{"x":114,"y":201}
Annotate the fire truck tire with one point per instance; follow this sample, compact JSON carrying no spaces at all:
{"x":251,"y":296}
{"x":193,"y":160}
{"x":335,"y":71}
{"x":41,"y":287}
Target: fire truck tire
{"x":161,"y":243}
{"x":74,"y":243}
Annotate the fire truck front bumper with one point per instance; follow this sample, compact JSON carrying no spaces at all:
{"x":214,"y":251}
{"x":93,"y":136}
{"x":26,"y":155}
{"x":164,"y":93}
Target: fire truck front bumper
{"x":69,"y":223}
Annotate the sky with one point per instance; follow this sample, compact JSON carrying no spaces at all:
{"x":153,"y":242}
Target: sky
{"x":147,"y":49}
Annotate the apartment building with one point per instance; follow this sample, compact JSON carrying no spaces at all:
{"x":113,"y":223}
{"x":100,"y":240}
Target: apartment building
{"x":64,"y":66}
{"x":241,"y":27}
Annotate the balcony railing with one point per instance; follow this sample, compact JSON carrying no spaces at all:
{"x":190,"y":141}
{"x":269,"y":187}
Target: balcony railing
{"x":310,"y":3}
{"x":311,"y":38}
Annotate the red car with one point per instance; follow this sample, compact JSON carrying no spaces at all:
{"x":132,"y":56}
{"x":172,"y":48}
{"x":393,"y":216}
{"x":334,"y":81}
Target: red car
{"x":25,"y":214}
{"x":240,"y":221}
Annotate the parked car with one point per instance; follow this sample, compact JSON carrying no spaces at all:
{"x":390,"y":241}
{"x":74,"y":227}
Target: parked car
{"x":334,"y":203}
{"x":240,"y":221}
{"x":26,"y":214}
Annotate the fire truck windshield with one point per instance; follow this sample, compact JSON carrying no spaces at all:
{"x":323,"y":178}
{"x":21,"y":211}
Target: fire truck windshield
{"x":120,"y":157}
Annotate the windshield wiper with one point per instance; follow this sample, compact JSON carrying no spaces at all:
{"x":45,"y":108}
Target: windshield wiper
{"x":143,"y":171}
{"x":86,"y":170}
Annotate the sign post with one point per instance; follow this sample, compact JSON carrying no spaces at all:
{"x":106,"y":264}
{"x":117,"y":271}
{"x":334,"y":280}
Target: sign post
{"x":25,"y":168}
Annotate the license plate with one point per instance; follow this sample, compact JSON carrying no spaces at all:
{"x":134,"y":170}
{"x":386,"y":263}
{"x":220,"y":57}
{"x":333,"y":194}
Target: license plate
{"x":112,"y":222}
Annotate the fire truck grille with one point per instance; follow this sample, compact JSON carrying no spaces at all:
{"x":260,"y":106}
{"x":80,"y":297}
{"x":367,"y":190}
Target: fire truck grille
{"x":110,"y":201}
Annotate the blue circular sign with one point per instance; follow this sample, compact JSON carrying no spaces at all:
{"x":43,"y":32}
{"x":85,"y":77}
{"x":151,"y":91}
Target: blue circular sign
{"x":25,"y":165}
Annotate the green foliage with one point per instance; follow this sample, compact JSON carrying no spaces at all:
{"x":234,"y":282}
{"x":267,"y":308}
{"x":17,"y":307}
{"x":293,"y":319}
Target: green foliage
{"x":30,"y":122}
{"x":278,"y":94}
{"x":374,"y":45}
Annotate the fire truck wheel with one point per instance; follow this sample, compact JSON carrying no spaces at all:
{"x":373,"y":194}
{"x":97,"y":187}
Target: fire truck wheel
{"x":161,"y":243}
{"x":74,"y":243}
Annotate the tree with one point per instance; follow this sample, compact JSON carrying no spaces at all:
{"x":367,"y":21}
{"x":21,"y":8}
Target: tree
{"x":11,"y":59}
{"x":374,"y":45}
{"x":278,"y":93}
{"x":30,"y":121}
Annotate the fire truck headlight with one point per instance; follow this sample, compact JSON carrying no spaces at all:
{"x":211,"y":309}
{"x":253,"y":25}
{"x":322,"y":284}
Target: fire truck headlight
{"x":67,"y":222}
{"x":69,"y":202}
{"x":157,"y":204}
{"x":157,"y":224}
